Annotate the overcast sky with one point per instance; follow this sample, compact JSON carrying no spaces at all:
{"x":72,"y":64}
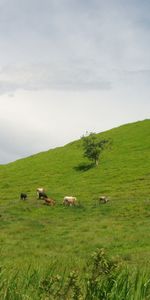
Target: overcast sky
{"x":70,"y":66}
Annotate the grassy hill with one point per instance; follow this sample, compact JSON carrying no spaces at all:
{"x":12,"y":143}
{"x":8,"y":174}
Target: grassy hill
{"x":32,"y":233}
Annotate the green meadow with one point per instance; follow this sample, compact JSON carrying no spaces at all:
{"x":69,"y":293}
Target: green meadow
{"x":33,"y":235}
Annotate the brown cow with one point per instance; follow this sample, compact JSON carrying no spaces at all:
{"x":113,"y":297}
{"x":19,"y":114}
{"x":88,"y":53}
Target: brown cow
{"x":49,"y":201}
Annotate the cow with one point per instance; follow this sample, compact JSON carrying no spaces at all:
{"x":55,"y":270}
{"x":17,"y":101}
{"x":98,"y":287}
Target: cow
{"x":40,"y":193}
{"x":49,"y":201}
{"x":69,"y":201}
{"x":39,"y":190}
{"x":103,"y":199}
{"x":23,"y":196}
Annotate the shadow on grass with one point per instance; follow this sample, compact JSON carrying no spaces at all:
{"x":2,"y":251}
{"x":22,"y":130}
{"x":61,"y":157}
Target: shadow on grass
{"x":83,"y":167}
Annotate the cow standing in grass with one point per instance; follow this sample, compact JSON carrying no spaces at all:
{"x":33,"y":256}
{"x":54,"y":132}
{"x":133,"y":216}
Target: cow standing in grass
{"x":103,"y":199}
{"x":49,"y":201}
{"x":23,"y":196}
{"x":69,"y":201}
{"x":40,"y":193}
{"x":39,"y":190}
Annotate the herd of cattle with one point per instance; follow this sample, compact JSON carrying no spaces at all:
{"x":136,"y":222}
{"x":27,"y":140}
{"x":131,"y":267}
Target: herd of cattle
{"x":67,"y":201}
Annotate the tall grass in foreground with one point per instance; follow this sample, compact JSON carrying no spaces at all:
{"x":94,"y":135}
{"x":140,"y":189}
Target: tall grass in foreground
{"x":102,"y":278}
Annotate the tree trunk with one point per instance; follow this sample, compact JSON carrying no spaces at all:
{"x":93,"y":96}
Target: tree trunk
{"x":96,"y":162}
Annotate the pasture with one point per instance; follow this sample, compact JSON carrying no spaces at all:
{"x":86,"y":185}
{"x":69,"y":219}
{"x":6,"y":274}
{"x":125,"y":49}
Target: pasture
{"x":33,"y":234}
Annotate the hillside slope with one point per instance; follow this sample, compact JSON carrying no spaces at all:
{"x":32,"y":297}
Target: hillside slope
{"x":34,"y":233}
{"x":123,"y":168}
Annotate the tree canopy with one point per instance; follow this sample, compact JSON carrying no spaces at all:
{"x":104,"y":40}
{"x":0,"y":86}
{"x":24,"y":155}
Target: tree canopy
{"x":93,"y":147}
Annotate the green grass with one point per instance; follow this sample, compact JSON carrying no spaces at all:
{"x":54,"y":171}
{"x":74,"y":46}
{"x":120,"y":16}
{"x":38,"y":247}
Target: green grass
{"x":101,"y":278}
{"x":32,"y":233}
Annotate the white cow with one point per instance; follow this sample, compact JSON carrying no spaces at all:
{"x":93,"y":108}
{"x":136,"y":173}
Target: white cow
{"x":69,"y":200}
{"x":103,"y":199}
{"x":40,"y":189}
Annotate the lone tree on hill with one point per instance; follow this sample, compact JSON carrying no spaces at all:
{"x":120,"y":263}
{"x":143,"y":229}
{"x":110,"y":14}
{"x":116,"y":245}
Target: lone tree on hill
{"x":93,"y":147}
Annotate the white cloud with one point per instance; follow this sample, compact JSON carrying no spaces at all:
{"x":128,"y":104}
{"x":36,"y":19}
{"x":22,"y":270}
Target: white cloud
{"x":68,"y":66}
{"x":36,"y":121}
{"x":50,"y":76}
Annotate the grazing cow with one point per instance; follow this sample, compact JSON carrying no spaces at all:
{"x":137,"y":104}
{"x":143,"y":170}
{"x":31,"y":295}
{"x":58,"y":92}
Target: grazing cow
{"x":103,"y":199}
{"x":40,"y":193}
{"x":23,"y":196}
{"x":49,"y":201}
{"x":69,"y":201}
{"x":39,"y":190}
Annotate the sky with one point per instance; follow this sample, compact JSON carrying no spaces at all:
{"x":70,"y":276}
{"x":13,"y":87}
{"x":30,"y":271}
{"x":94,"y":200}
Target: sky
{"x":68,"y":67}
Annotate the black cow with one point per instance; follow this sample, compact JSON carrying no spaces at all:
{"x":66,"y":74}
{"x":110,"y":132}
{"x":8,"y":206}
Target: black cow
{"x":23,"y":196}
{"x":42,"y":195}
